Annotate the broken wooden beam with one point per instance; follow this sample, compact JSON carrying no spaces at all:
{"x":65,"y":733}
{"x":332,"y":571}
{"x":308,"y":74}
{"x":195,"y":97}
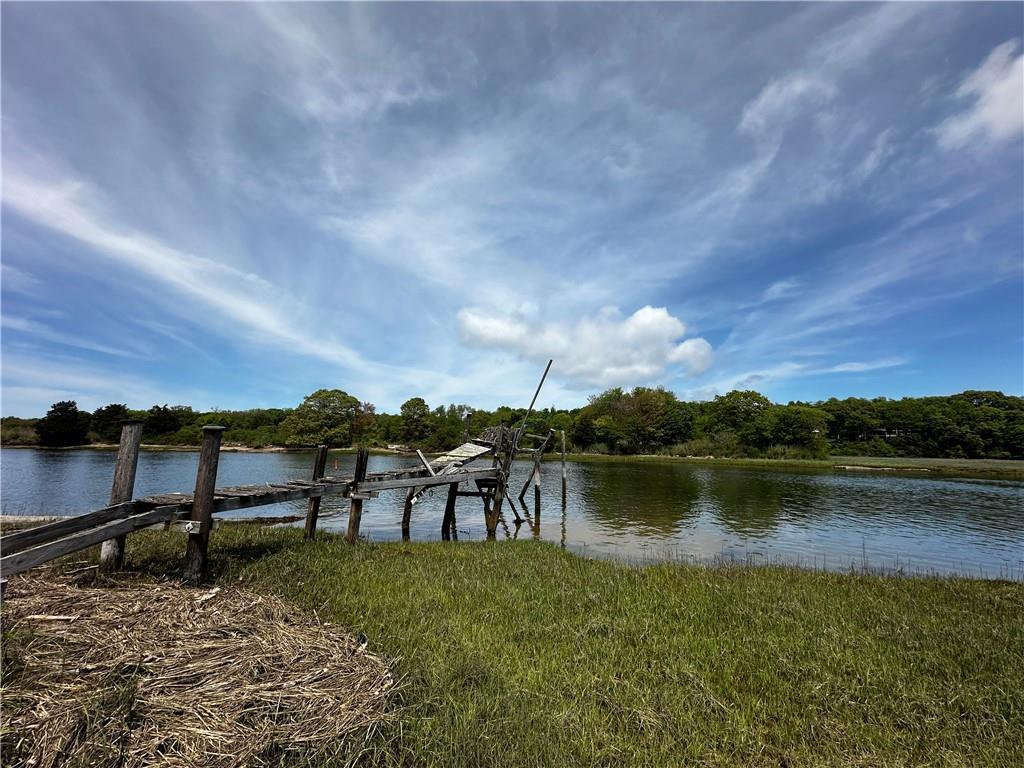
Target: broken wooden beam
{"x":13,"y":563}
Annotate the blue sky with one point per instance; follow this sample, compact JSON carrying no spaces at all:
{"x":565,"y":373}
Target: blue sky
{"x":230,"y":206}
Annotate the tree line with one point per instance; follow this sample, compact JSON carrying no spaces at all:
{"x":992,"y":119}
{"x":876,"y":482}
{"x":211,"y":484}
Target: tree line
{"x":643,"y":420}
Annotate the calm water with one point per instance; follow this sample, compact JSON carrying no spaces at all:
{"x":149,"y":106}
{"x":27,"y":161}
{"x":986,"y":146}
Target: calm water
{"x":635,"y":511}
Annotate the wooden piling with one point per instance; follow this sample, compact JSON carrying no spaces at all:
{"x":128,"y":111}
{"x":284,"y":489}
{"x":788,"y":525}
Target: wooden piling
{"x":536,"y":492}
{"x":407,"y":514}
{"x":112,"y":550}
{"x":313,"y":510}
{"x":491,"y":516}
{"x":355,"y":512}
{"x":565,"y":494}
{"x":202,"y":505}
{"x":448,"y":521}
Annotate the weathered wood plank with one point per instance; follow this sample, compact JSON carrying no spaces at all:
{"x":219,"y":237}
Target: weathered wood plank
{"x":20,"y":540}
{"x":385,"y":484}
{"x":17,"y":562}
{"x":425,"y":463}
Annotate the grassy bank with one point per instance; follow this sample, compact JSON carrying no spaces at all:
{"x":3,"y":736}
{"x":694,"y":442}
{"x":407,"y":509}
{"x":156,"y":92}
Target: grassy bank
{"x":992,"y":469}
{"x":521,"y":654}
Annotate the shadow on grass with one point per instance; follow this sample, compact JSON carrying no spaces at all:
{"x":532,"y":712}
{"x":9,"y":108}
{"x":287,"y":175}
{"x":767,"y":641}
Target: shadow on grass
{"x":162,"y":554}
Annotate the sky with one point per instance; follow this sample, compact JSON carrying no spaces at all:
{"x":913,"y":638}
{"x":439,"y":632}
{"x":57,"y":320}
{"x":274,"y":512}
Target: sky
{"x":231,"y":206}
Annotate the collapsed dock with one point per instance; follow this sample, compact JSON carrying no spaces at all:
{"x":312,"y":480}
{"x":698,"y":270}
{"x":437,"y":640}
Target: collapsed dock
{"x":481,"y":465}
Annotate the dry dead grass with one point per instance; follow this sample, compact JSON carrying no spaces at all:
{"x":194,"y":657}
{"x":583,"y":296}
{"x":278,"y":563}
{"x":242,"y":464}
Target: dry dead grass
{"x":146,"y":674}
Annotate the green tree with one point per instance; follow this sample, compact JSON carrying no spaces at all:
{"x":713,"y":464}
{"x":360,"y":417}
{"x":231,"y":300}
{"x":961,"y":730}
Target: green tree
{"x":327,"y":414}
{"x":415,"y":420}
{"x":583,"y":434}
{"x":802,"y":425}
{"x":161,"y":420}
{"x":63,"y":425}
{"x":748,"y":414}
{"x":106,"y":422}
{"x":364,"y":419}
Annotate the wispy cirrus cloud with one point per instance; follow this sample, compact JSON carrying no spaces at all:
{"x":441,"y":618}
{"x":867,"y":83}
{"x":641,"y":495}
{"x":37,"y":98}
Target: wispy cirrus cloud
{"x":70,"y":209}
{"x":40,"y":330}
{"x":404,"y":200}
{"x":996,"y":90}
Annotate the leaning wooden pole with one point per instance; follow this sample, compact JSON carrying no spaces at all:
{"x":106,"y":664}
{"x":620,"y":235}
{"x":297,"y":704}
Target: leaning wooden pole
{"x":313,"y":510}
{"x":202,"y":505}
{"x":522,"y":427}
{"x":355,"y":512}
{"x":112,"y":550}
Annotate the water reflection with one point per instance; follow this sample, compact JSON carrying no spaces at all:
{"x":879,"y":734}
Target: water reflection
{"x":629,"y":497}
{"x":619,"y":509}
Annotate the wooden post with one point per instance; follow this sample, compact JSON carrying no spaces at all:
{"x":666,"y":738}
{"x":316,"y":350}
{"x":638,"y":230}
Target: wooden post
{"x":355,"y":512}
{"x":407,"y":514}
{"x":202,"y":505}
{"x":536,"y":492}
{"x":565,"y":495}
{"x":313,"y":510}
{"x":448,"y":522}
{"x":112,"y":550}
{"x":491,"y":516}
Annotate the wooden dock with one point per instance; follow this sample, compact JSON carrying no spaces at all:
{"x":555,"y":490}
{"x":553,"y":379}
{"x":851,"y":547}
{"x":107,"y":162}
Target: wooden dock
{"x":193,"y":513}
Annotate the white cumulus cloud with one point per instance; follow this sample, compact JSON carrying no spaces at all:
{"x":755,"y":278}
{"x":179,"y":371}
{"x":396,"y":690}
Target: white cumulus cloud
{"x":997,"y":114}
{"x":605,"y":350}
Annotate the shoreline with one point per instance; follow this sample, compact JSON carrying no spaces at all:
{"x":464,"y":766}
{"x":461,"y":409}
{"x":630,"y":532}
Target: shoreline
{"x":985,"y":469}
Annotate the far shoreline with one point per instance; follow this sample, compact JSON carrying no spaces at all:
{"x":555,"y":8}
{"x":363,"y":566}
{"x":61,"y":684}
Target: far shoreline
{"x":985,"y":469}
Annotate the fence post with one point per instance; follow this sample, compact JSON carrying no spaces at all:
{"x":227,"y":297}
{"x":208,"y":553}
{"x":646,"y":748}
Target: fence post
{"x":112,"y":550}
{"x":202,"y":505}
{"x":565,"y":494}
{"x":355,"y":512}
{"x":313,"y":510}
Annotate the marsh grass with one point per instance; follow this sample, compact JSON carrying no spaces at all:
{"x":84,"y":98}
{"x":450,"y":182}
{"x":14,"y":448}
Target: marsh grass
{"x":520,"y":654}
{"x":988,"y":469}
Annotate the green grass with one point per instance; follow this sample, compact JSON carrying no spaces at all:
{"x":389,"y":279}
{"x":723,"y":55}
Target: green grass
{"x":993,"y":469}
{"x":519,"y":654}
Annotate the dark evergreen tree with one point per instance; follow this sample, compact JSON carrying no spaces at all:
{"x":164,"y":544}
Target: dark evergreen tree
{"x":63,"y":425}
